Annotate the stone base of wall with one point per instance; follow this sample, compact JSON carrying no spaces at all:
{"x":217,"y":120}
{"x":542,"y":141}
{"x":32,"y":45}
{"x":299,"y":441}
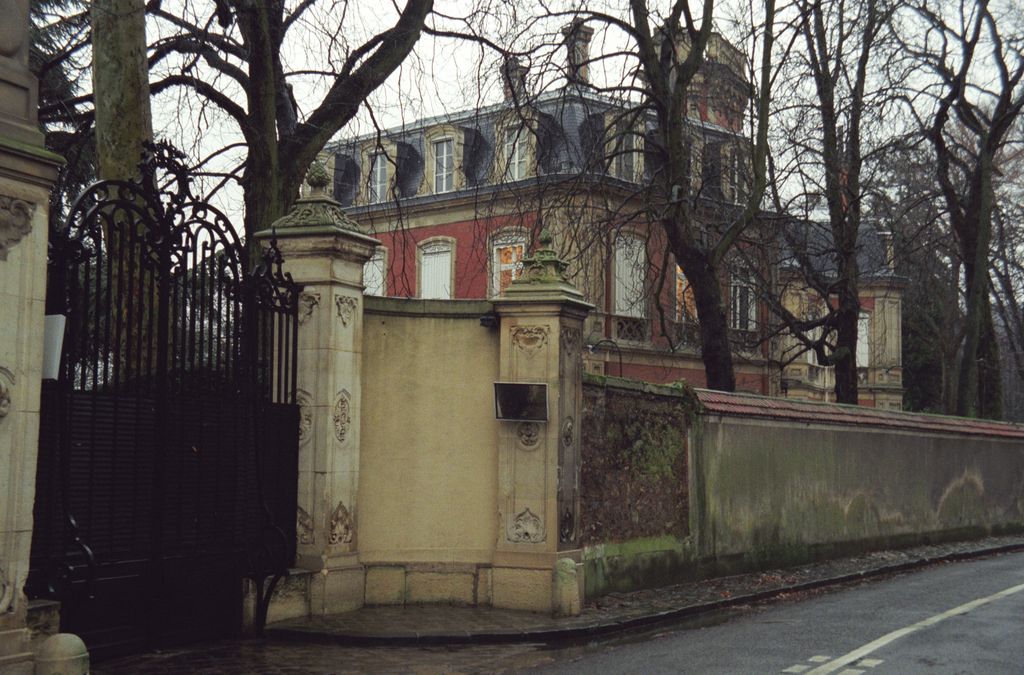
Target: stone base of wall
{"x":553,"y":588}
{"x":647,"y":562}
{"x":662,"y":561}
{"x":16,"y":657}
{"x":309,"y":593}
{"x":424,"y":583}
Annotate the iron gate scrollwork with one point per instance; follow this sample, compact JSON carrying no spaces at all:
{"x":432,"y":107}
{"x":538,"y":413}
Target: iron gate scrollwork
{"x":168,"y":447}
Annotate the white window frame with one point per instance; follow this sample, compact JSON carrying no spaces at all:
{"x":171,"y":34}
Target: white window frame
{"x":427,"y":251}
{"x":741,"y":318}
{"x":504,"y":240}
{"x":375,"y":274}
{"x":444,"y":165}
{"x":377,"y":189}
{"x":515,"y":153}
{"x":630,"y":274}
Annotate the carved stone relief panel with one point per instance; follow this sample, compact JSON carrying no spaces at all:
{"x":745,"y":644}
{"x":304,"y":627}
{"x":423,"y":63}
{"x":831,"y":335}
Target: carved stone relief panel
{"x":526,"y":528}
{"x":15,"y":222}
{"x":529,"y":339}
{"x":6,"y":385}
{"x":305,"y":401}
{"x":568,"y":432}
{"x":304,"y":527}
{"x":570,"y":339}
{"x":342,"y":527}
{"x":307,"y":302}
{"x":529,"y":434}
{"x":342,"y":415}
{"x":6,"y":591}
{"x":569,"y":407}
{"x":346,"y":308}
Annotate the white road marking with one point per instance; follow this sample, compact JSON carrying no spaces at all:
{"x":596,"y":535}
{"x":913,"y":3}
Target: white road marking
{"x":851,"y":671}
{"x":796,"y":669}
{"x":870,"y":663}
{"x":819,"y":659}
{"x":861,"y":652}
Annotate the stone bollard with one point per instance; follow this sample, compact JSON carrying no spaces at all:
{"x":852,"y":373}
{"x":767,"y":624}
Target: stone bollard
{"x":567,"y":590}
{"x":63,"y":654}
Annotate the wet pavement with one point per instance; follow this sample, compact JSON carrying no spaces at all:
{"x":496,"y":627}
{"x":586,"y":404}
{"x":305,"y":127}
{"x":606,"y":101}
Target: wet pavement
{"x":447,"y":639}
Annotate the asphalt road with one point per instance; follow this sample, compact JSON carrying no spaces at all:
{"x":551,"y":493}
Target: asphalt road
{"x":965,"y":617}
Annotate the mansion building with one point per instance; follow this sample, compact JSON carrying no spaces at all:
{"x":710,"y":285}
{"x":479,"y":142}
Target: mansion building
{"x":458,"y":200}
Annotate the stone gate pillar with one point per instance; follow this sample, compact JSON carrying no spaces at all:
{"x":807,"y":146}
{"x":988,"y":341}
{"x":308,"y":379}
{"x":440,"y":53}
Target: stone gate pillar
{"x":323,"y":250}
{"x":27,"y":172}
{"x":537,"y":557}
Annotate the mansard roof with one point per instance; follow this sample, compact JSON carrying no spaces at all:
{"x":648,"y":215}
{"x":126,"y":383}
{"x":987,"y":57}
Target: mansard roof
{"x":569,"y":123}
{"x":813,"y":239}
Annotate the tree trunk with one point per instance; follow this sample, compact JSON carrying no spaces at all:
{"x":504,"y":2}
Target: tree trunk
{"x":262,"y":170}
{"x":123,"y":122}
{"x":974,"y":236}
{"x":847,"y":315}
{"x":711,"y":315}
{"x":990,"y":370}
{"x":120,"y":75}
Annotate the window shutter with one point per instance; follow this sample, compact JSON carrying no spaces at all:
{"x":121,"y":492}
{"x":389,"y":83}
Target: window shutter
{"x":863,"y":343}
{"x":436,"y":273}
{"x":373,"y":275}
{"x":630,"y":268}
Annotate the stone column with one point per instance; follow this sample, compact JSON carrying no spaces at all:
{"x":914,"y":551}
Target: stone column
{"x":323,"y":250}
{"x":27,"y":171}
{"x":537,"y":558}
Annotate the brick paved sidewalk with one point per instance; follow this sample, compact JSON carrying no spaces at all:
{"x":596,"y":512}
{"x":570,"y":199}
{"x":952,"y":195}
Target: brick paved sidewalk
{"x":435,"y":638}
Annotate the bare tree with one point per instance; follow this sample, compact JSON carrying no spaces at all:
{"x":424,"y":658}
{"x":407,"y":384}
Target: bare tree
{"x":655,"y":169}
{"x":966,"y":110}
{"x":231,"y":55}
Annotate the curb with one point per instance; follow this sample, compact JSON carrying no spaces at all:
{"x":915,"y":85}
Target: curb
{"x":584,"y":633}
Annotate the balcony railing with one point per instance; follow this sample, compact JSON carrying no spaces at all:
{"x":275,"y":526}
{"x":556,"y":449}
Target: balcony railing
{"x":631,"y":329}
{"x":684,"y":333}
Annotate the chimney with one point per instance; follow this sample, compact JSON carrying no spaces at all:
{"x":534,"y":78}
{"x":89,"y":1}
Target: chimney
{"x":577,"y":44}
{"x":513,"y":79}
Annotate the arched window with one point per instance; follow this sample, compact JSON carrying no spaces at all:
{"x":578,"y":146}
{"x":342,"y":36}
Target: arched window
{"x":630,"y":273}
{"x":863,"y":340}
{"x":436,"y":265}
{"x":507,"y":251}
{"x":742,"y":303}
{"x":686,"y":304}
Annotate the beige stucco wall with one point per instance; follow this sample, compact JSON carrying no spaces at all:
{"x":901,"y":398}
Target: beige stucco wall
{"x":780,"y":491}
{"x":428,"y":463}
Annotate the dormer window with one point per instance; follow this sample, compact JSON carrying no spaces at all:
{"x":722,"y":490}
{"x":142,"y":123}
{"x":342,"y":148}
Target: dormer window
{"x":625,"y":158}
{"x":378,"y":178}
{"x":444,"y":165}
{"x":515,"y":154}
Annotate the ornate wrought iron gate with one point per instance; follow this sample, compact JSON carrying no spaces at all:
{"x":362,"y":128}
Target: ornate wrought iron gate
{"x":168,"y":447}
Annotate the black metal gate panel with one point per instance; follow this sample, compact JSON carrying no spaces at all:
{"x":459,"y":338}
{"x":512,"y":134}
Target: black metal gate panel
{"x":169,"y":446}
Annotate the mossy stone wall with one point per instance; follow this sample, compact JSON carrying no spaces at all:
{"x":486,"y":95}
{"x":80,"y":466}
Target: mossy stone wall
{"x":633,"y":482}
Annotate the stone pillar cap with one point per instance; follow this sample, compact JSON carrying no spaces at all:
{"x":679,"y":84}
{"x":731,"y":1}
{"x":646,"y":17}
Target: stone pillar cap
{"x":317,"y":211}
{"x":544,"y":277}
